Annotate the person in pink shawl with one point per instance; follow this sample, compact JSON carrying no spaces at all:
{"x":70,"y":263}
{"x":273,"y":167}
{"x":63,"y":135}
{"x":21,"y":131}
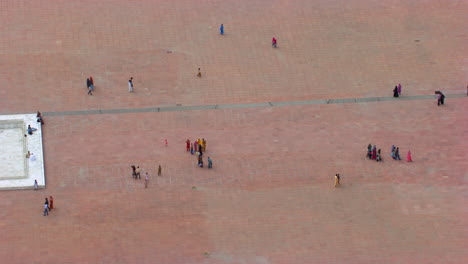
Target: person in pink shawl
{"x":408,"y":157}
{"x":399,"y":89}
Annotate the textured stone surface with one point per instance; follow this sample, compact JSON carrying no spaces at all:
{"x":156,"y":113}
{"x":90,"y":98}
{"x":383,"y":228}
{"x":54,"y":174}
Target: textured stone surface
{"x":16,"y":170}
{"x":269,"y":198}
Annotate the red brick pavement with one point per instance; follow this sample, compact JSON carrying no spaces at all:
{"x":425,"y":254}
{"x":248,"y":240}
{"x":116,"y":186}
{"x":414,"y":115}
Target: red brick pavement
{"x":327,"y":49}
{"x":269,"y":198}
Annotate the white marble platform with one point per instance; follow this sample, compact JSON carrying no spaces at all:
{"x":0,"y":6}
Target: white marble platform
{"x":16,"y":171}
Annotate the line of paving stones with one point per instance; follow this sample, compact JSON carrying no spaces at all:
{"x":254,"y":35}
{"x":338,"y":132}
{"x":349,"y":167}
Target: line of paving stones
{"x":252,"y":105}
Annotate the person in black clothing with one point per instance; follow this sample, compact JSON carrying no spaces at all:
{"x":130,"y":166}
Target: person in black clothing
{"x":88,"y":84}
{"x":442,"y":97}
{"x":395,"y":92}
{"x":369,"y":151}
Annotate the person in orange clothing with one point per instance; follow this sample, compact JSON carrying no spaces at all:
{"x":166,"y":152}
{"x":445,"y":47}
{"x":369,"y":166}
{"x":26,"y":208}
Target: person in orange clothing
{"x":204,"y":144}
{"x":337,"y":180}
{"x":51,"y":203}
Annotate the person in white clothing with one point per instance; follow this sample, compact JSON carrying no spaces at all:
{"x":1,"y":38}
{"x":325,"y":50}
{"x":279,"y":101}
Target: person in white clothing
{"x":130,"y":85}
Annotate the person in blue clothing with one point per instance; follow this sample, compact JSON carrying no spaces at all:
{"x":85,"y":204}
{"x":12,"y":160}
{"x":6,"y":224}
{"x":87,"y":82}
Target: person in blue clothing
{"x":221,"y":29}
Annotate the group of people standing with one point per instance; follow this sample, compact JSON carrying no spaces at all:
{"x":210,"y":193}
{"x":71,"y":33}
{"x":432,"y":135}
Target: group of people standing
{"x":198,"y":147}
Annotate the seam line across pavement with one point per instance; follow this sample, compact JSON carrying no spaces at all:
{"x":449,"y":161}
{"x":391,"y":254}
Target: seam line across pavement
{"x":251,"y":105}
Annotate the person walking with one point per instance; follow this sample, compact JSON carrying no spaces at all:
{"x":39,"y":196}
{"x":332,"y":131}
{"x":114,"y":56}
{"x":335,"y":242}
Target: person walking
{"x":369,"y":151}
{"x":397,"y":154}
{"x":210,"y":163}
{"x":337,"y":180}
{"x":408,"y":157}
{"x":440,"y":97}
{"x":379,"y":156}
{"x":195,"y":146}
{"x":395,"y":92}
{"x":133,"y":171}
{"x":137,"y":173}
{"x":392,"y":154}
{"x":374,"y":152}
{"x":274,"y":42}
{"x":221,"y":29}
{"x":199,"y":73}
{"x":204,"y":144}
{"x":88,"y":83}
{"x":159,"y":170}
{"x":47,"y":202}
{"x":51,"y":203}
{"x":200,"y":161}
{"x":191,"y":148}
{"x":46,"y":210}
{"x":188,"y":145}
{"x":146,"y":180}
{"x":91,"y":80}
{"x":399,"y":89}
{"x":39,"y":118}
{"x":36,"y":186}
{"x":130,"y":85}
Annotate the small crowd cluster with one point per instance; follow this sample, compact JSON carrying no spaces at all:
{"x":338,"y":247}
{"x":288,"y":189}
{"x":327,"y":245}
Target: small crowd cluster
{"x":374,"y":154}
{"x":48,"y":205}
{"x":397,"y":91}
{"x":198,"y":147}
{"x":441,"y":97}
{"x":136,"y":173}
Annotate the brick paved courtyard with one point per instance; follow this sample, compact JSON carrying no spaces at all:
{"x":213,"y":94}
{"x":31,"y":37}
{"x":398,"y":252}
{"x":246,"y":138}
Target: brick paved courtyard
{"x":270,"y":196}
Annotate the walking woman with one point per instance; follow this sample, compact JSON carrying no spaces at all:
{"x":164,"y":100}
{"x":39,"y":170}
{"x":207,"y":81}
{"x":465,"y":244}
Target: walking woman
{"x":379,"y":156}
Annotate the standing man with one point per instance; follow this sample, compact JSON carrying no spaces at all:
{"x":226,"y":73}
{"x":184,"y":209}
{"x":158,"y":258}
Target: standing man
{"x":130,"y":85}
{"x":146,"y":180}
{"x":35,"y":185}
{"x":159,"y":170}
{"x":221,"y":29}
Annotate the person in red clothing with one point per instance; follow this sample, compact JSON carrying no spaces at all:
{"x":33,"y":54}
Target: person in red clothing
{"x":188,"y":144}
{"x":273,"y":42}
